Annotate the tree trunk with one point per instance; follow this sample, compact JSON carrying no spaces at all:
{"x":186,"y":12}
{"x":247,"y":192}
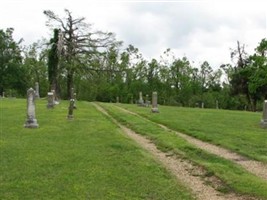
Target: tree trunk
{"x":69,"y":83}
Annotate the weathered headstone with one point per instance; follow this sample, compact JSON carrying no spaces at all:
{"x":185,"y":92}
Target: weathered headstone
{"x":50,"y":100}
{"x":3,"y":95}
{"x":31,"y":121}
{"x":141,"y":101}
{"x":147,"y":101}
{"x":154,"y":108}
{"x":117,"y":100}
{"x":54,"y":96}
{"x":71,"y":107}
{"x":202,"y":105}
{"x":37,"y":95}
{"x":264,"y":115}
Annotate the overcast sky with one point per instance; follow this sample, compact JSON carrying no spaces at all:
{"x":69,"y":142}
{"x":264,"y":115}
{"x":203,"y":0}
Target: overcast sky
{"x":200,"y":30}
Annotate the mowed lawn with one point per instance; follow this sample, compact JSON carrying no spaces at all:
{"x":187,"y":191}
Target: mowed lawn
{"x":233,"y":176}
{"x":86,"y":158}
{"x":239,"y":131}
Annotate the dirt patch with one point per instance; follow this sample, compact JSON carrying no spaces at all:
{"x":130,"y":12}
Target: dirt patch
{"x":255,"y":167}
{"x":186,"y":172}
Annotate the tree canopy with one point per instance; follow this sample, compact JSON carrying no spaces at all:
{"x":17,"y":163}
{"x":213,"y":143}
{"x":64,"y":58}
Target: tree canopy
{"x":95,"y":64}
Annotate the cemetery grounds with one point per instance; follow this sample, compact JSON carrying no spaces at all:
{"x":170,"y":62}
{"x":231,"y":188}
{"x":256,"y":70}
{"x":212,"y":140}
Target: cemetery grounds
{"x":120,"y":151}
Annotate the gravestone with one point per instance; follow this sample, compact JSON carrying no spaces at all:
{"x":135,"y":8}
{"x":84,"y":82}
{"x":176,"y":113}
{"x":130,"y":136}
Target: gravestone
{"x":31,"y":121}
{"x":71,"y":108}
{"x":264,"y":115}
{"x":3,"y":95}
{"x":147,"y":101}
{"x":54,"y":96}
{"x":154,"y":108}
{"x":141,"y":101}
{"x":50,"y":100}
{"x":37,"y":95}
{"x":117,"y":100}
{"x":202,"y":105}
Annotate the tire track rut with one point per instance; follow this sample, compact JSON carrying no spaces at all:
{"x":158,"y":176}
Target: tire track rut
{"x":255,"y":167}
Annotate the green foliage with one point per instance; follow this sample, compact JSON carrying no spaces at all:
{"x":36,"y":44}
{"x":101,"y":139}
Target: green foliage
{"x":249,"y":75}
{"x":34,"y":63}
{"x":92,"y":63}
{"x":12,"y":73}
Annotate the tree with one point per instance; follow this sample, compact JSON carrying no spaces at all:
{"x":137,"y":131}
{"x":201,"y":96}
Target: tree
{"x":180,"y":73}
{"x":53,"y":62}
{"x":11,"y":69}
{"x":258,"y":66}
{"x":250,"y":74}
{"x":79,"y":42}
{"x":240,"y":76}
{"x":34,"y":63}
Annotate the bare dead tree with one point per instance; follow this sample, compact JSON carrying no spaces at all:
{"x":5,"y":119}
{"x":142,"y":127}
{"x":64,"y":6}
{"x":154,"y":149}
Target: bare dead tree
{"x":78,"y":42}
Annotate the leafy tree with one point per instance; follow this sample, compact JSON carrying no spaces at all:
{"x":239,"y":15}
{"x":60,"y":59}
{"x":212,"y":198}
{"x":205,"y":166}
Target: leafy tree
{"x":53,"y":63}
{"x":180,"y":75}
{"x":249,"y":77}
{"x":258,"y":65}
{"x":34,"y":63}
{"x":11,"y":69}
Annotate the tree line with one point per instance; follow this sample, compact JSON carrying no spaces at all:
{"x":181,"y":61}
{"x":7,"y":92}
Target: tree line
{"x":95,"y":65}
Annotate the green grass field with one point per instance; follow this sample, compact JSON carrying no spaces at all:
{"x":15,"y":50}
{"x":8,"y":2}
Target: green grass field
{"x":87,"y":158}
{"x":234,"y":177}
{"x":235,"y":130}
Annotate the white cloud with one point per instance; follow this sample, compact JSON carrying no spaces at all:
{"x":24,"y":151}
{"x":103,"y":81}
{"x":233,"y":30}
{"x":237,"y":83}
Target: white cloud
{"x":203,"y":30}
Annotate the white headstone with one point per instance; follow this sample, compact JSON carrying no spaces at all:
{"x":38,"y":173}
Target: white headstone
{"x":37,"y":95}
{"x":154,"y":108}
{"x":31,"y":121}
{"x":50,"y":100}
{"x":140,"y":101}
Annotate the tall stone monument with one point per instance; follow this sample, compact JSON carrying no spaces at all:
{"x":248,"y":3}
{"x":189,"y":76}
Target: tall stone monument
{"x":154,"y":108}
{"x":264,"y":115}
{"x":37,"y":95}
{"x":31,"y":121}
{"x":117,"y":100}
